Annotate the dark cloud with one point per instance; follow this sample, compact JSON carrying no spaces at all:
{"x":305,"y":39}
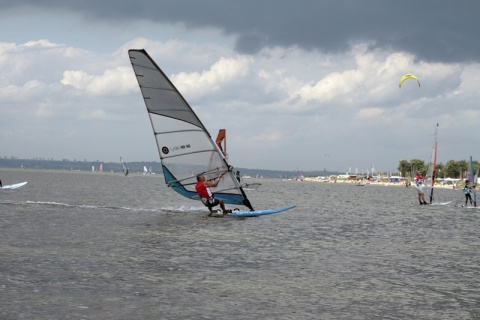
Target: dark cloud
{"x":441,"y":30}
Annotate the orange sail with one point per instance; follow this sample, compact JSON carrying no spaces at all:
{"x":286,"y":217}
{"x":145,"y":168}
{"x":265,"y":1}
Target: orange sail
{"x":222,"y":136}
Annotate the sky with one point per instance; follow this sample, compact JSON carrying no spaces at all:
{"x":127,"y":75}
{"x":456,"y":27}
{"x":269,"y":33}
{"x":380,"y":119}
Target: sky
{"x":307,"y":85}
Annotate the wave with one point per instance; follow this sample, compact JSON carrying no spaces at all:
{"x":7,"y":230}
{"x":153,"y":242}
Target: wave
{"x":169,"y":209}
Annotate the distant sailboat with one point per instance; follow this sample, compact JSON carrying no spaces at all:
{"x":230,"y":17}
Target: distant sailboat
{"x":299,"y":175}
{"x":432,"y":168}
{"x":432,"y":171}
{"x":145,"y":170}
{"x":124,"y":166}
{"x":473,"y":177}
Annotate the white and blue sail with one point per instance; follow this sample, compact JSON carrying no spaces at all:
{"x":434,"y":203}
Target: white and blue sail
{"x":185,"y":147}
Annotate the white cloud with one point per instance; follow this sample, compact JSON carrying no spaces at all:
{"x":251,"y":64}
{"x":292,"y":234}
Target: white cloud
{"x":221,"y":72}
{"x":286,"y":106}
{"x":112,"y":81}
{"x":27,"y":92}
{"x":469,"y":81}
{"x":369,"y":113}
{"x":94,"y":114}
{"x":335,"y":84}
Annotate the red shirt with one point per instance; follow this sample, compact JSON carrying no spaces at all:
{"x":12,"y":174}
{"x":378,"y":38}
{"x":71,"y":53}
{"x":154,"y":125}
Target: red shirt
{"x":203,"y":191}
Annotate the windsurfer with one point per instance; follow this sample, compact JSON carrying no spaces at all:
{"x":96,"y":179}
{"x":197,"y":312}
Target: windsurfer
{"x":421,"y":194}
{"x":238,"y":176}
{"x":466,"y":191}
{"x":419,"y":176}
{"x":203,"y":190}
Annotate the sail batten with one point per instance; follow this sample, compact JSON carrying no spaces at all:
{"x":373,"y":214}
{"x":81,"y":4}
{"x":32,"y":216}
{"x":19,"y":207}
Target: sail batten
{"x":187,"y":153}
{"x":177,"y":131}
{"x":185,"y":146}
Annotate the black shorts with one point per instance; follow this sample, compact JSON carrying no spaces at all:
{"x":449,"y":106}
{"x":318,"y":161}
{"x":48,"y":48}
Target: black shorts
{"x":210,"y":202}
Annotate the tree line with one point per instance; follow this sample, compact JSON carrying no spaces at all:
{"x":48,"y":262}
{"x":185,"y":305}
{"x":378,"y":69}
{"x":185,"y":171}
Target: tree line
{"x":452,"y":169}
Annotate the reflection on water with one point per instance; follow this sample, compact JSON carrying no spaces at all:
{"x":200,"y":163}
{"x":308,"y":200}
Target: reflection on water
{"x":105,"y":246}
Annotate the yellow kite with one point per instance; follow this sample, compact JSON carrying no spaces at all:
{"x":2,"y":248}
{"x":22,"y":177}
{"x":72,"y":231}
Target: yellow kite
{"x":408,"y":76}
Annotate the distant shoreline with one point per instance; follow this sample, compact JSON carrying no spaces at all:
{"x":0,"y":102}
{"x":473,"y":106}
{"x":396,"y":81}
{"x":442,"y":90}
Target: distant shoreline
{"x":120,"y":173}
{"x":160,"y":175}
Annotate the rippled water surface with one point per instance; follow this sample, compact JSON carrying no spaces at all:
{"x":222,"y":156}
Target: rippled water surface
{"x":104,"y":246}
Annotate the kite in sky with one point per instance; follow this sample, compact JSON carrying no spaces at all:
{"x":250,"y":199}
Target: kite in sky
{"x":408,"y":76}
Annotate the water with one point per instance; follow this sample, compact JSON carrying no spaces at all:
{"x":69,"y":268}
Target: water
{"x":104,"y":246}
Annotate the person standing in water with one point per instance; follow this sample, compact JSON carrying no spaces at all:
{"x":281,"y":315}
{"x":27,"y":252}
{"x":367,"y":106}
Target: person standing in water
{"x":421,"y":194}
{"x":419,"y":187}
{"x":466,"y":191}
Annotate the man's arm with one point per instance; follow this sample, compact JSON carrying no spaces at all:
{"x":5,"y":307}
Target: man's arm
{"x":215,"y":182}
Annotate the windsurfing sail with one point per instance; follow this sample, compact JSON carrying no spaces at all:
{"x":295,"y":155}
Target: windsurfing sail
{"x":124,"y":166}
{"x":299,"y":175}
{"x":472,"y":177}
{"x":432,"y":168}
{"x":222,"y":137}
{"x":408,"y":76}
{"x":185,"y":147}
{"x":145,"y":170}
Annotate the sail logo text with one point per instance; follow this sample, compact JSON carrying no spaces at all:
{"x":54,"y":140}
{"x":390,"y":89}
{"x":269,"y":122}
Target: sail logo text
{"x":167,"y":150}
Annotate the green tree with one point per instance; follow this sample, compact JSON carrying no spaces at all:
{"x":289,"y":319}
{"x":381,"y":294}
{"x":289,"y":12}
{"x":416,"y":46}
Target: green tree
{"x":418,"y":165}
{"x":404,"y":168}
{"x":452,"y":169}
{"x":463,"y":166}
{"x":455,"y":169}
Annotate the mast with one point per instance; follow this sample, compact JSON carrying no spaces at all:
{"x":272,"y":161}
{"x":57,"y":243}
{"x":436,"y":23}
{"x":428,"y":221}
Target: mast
{"x":474,"y":178}
{"x":434,"y":163}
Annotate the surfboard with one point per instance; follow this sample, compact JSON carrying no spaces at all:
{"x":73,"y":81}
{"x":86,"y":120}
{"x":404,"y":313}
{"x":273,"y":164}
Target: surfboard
{"x":14,"y":186}
{"x":441,"y":203}
{"x":467,"y":207}
{"x":257,"y":213}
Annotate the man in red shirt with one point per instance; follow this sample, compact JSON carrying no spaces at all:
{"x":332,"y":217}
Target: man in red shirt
{"x":203,"y":190}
